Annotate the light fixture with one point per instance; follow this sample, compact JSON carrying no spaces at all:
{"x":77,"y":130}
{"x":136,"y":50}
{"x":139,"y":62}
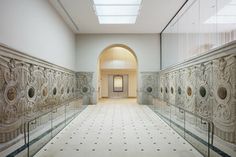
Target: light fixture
{"x":117,"y":11}
{"x":117,"y":19}
{"x":117,"y":2}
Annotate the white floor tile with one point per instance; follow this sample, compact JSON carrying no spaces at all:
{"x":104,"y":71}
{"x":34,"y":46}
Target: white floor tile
{"x":118,"y":128}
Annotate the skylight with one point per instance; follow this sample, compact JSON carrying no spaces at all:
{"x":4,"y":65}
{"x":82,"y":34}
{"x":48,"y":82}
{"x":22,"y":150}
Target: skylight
{"x":116,"y":2}
{"x":226,"y":15}
{"x":117,"y":11}
{"x":117,"y":19}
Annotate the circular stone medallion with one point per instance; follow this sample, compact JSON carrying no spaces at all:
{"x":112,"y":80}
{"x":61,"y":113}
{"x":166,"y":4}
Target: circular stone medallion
{"x":31,"y":92}
{"x":85,"y":89}
{"x":189,"y":91}
{"x":202,"y":91}
{"x":179,"y":90}
{"x":172,"y":90}
{"x":54,"y":91}
{"x":222,"y":92}
{"x":149,"y":89}
{"x":11,"y":94}
{"x":45,"y":91}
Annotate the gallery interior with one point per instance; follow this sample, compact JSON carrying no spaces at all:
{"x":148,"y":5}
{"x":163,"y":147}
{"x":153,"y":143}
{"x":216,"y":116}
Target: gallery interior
{"x":112,"y":78}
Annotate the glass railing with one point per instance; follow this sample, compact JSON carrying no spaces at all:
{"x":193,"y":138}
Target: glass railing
{"x":197,"y":130}
{"x":41,"y":129}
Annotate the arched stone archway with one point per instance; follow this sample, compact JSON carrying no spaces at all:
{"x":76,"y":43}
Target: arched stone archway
{"x":132,"y":88}
{"x":120,"y":45}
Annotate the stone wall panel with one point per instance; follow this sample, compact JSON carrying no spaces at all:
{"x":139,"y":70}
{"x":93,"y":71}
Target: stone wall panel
{"x":205,"y":86}
{"x":29,"y":87}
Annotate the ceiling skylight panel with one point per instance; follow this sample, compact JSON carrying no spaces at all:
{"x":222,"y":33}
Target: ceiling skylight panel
{"x":117,"y":19}
{"x":233,"y":2}
{"x":222,"y":20}
{"x":117,"y":2}
{"x":228,"y":10}
{"x":117,"y":10}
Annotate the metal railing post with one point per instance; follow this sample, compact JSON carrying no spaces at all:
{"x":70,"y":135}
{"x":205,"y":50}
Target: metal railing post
{"x":184,"y":123}
{"x":28,"y":151}
{"x":209,"y":127}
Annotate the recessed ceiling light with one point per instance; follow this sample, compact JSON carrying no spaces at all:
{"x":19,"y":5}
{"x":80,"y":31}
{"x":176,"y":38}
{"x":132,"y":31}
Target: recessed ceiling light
{"x":117,"y":10}
{"x":117,"y":19}
{"x":117,"y":2}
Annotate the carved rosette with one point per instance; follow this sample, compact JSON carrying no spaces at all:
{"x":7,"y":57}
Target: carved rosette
{"x":224,"y":108}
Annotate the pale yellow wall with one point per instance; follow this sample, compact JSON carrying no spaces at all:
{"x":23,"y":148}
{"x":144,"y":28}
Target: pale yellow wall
{"x":117,"y":58}
{"x":132,"y":82}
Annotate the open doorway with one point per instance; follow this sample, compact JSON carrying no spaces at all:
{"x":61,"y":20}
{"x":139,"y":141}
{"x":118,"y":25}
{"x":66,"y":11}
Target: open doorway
{"x":117,"y":73}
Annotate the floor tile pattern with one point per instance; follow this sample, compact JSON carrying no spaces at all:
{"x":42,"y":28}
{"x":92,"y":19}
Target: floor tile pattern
{"x":118,"y":128}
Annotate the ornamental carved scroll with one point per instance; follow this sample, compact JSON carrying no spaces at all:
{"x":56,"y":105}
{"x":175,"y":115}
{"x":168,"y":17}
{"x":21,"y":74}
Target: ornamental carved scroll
{"x":27,"y":90}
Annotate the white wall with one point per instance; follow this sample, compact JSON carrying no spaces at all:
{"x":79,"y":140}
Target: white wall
{"x":34,"y":27}
{"x":145,"y":46}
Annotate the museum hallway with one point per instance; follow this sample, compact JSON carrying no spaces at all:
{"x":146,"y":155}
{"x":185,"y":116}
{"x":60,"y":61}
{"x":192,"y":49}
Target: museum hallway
{"x":118,"y":128}
{"x":118,"y":78}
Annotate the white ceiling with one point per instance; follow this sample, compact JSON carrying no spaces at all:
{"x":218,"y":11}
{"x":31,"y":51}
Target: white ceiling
{"x":154,"y":16}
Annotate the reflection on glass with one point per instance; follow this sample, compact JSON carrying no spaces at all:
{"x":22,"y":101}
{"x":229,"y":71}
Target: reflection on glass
{"x":200,"y":26}
{"x":117,"y":83}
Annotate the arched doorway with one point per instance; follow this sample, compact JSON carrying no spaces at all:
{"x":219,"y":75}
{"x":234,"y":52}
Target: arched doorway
{"x":117,"y":72}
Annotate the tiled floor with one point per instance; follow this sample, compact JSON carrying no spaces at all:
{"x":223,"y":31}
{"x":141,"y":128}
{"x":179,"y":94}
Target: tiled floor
{"x":118,"y":128}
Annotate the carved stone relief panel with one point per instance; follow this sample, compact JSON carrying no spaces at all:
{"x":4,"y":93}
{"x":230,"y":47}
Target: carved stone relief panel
{"x":28,"y":89}
{"x":207,"y":87}
{"x":189,"y":82}
{"x":224,"y":101}
{"x":166,"y":87}
{"x":162,"y":85}
{"x":179,"y":88}
{"x":85,"y":86}
{"x":148,"y":87}
{"x":204,"y":90}
{"x":172,"y":87}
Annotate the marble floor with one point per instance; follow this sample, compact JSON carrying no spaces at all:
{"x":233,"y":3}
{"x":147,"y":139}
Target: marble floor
{"x":115,"y":128}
